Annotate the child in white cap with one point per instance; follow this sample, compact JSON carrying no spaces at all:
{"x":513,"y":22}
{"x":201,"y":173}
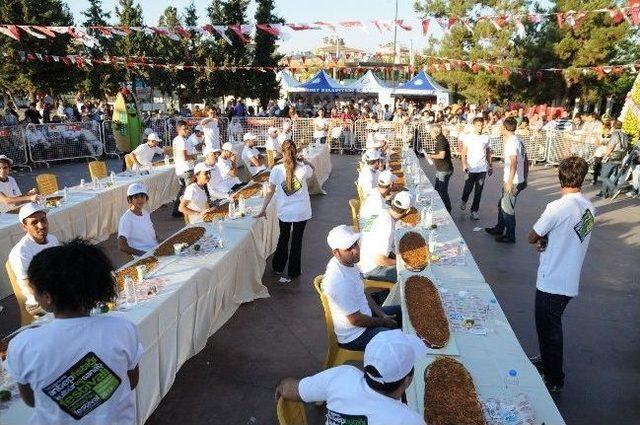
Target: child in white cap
{"x":369,"y":172}
{"x":144,"y":153}
{"x":10,"y":194}
{"x":136,"y":234}
{"x":251,"y":156}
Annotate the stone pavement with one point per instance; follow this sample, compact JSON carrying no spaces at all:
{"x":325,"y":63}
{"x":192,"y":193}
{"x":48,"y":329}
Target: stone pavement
{"x":232,"y":380}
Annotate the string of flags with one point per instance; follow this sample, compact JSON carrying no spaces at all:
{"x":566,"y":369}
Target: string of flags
{"x":434,"y":64}
{"x":89,"y":36}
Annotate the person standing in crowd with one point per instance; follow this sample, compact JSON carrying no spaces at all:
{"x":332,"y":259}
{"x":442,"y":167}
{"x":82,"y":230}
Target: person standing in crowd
{"x":378,"y":261}
{"x":54,"y":363}
{"x":195,"y":201}
{"x":442,"y":160}
{"x":136,"y":234}
{"x":378,"y":200}
{"x":144,"y":153}
{"x":476,"y":163}
{"x":31,"y":115}
{"x":10,"y":194}
{"x":320,"y":127}
{"x":33,"y":220}
{"x":515,"y":180}
{"x":601,"y":149}
{"x":251,"y":155}
{"x":184,"y":156}
{"x":356,"y":316}
{"x":211,"y":129}
{"x":288,"y":182}
{"x":369,"y":171}
{"x":613,"y":156}
{"x":372,"y":397}
{"x":273,"y":143}
{"x":562,"y":235}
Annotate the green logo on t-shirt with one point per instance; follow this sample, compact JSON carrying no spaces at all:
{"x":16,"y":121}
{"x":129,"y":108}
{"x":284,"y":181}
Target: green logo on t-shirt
{"x":335,"y":418}
{"x":585,"y":225}
{"x":296,"y":186}
{"x":84,"y":386}
{"x":368,"y":223}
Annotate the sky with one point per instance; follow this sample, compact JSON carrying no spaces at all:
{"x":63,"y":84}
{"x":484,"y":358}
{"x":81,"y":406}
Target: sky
{"x":304,"y":11}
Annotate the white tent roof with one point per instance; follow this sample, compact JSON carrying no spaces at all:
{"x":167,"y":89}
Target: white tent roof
{"x":288,"y":81}
{"x":368,"y":83}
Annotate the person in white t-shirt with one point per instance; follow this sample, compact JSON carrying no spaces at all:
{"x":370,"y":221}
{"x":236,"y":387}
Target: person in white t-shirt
{"x":372,"y":396}
{"x":144,"y":153}
{"x":320,"y":127}
{"x":218,"y":187}
{"x":184,"y":157}
{"x":228,"y":165}
{"x":288,"y":182}
{"x":235,"y":130}
{"x":211,"y":130}
{"x":136,"y":234}
{"x":195,"y":201}
{"x":286,"y":133}
{"x":251,"y":156}
{"x":273,"y":143}
{"x":515,"y":180}
{"x":10,"y":194}
{"x":196,"y":139}
{"x":378,"y":200}
{"x":562,"y":235}
{"x":356,"y":316}
{"x":378,"y":261}
{"x":476,"y":163}
{"x":33,"y":220}
{"x":78,"y":368}
{"x":368,"y":174}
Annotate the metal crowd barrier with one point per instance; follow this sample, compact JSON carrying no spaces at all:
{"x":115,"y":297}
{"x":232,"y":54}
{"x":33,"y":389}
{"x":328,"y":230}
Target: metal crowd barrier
{"x":13,"y":145}
{"x":63,"y":141}
{"x":396,"y":133}
{"x":562,"y":144}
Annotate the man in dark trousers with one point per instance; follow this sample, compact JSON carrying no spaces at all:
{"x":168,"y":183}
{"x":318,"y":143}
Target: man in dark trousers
{"x":442,"y":160}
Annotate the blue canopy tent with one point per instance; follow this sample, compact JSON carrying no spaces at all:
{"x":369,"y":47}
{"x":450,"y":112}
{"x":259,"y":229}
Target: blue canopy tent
{"x":322,"y":83}
{"x":423,"y":85}
{"x":288,"y":81}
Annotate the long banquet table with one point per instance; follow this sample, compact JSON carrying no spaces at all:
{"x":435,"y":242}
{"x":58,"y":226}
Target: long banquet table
{"x":488,"y":357}
{"x":91,"y":214}
{"x":199,"y":294}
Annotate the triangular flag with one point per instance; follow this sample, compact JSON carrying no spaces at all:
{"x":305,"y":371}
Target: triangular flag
{"x":237,"y":29}
{"x":31,"y":32}
{"x":382,"y":25}
{"x":401,"y":24}
{"x":425,"y":27}
{"x":221,"y":30}
{"x":46,"y":31}
{"x":269,"y":29}
{"x":11,"y":31}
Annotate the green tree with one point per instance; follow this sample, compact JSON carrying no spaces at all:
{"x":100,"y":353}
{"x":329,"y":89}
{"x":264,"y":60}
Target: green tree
{"x":129,"y":14}
{"x":17,"y":77}
{"x":171,"y":51}
{"x":265,"y":86}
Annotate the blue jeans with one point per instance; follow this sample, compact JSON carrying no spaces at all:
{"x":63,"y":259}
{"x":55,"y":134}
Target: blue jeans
{"x":475,"y":182}
{"x":507,"y":211}
{"x":383,"y":273}
{"x":442,"y":187}
{"x":360,"y":343}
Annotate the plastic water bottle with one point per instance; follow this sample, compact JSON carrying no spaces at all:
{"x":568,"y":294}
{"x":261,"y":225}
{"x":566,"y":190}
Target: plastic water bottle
{"x":130,"y":291}
{"x":220,"y":231}
{"x":81,"y":183}
{"x":512,"y":380}
{"x":241,"y":205}
{"x":65,"y":194}
{"x":232,"y":208}
{"x":112,"y":177}
{"x":433,"y":239}
{"x":167,"y":161}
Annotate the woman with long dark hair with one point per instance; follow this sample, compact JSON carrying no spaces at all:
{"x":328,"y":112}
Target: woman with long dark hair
{"x":288,"y":182}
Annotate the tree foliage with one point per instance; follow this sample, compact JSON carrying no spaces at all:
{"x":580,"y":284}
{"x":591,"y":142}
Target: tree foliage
{"x":265,"y":86}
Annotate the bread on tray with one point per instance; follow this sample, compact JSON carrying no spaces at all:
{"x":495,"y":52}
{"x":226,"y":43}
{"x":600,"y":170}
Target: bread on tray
{"x":411,"y":218}
{"x":190,"y":235}
{"x":414,"y":251}
{"x":425,"y":310}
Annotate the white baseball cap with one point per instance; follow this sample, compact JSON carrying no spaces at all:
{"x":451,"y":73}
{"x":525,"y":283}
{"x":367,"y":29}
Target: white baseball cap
{"x":28,"y":209}
{"x":402,"y":200}
{"x":379,"y":137}
{"x":198,"y":128}
{"x":137,"y":188}
{"x":386,"y":178}
{"x":6,"y":158}
{"x":201,"y":167}
{"x":342,"y":237}
{"x":272,"y":130}
{"x":227,"y":146}
{"x":148,"y":131}
{"x":154,"y":136}
{"x":393,"y":354}
{"x":249,"y":136}
{"x":371,"y":155}
{"x":207,"y":150}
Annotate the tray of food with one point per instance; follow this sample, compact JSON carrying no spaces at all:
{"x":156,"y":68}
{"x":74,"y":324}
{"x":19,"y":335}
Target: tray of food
{"x":450,"y":397}
{"x":219,"y":212}
{"x":53,"y":201}
{"x":412,"y":218}
{"x":187,"y":236}
{"x":413,"y":251}
{"x":261,"y":177}
{"x":250,"y":190}
{"x":426,"y":312}
{"x":150,"y":263}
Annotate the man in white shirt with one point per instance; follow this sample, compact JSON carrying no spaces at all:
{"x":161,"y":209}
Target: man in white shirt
{"x":378,"y":260}
{"x":211,"y":130}
{"x":251,"y":155}
{"x":33,"y":220}
{"x":562,"y":235}
{"x":320,"y":127}
{"x":378,"y":200}
{"x":184,"y":156}
{"x":10,"y":195}
{"x":196,"y":139}
{"x":515,"y":180}
{"x":356,"y":316}
{"x":372,"y":397}
{"x":476,"y":162}
{"x":273,"y":143}
{"x":144,"y":153}
{"x":218,"y":189}
{"x":369,"y":171}
{"x":227,"y":164}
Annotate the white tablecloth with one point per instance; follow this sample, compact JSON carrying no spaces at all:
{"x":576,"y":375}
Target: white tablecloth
{"x":88,"y":213}
{"x":487,"y":357}
{"x":203,"y":294}
{"x":320,"y":158}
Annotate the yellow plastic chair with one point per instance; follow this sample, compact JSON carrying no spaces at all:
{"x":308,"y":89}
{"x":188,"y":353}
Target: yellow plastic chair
{"x":46,"y":184}
{"x":290,"y":412}
{"x":129,"y":161}
{"x":355,"y":214}
{"x":25,"y":317}
{"x":97,"y":169}
{"x":360,"y":194}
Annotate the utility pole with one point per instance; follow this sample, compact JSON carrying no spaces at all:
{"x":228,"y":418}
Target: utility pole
{"x":395,"y":37}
